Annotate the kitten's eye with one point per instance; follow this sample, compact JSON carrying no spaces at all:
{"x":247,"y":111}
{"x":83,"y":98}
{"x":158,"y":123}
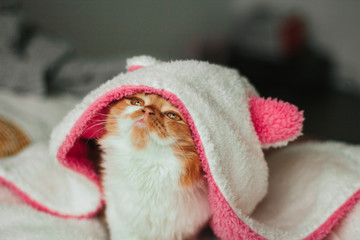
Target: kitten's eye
{"x":136,"y":102}
{"x":173,"y":116}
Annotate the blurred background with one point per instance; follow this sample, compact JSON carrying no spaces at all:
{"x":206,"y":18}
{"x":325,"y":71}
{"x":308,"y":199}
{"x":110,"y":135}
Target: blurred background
{"x":304,"y":52}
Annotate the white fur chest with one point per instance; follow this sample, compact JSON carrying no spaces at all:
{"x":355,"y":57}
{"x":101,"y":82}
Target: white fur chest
{"x":143,"y":195}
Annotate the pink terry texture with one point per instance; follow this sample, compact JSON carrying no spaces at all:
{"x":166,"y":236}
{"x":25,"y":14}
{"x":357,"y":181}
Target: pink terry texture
{"x":225,"y":223}
{"x":275,"y":121}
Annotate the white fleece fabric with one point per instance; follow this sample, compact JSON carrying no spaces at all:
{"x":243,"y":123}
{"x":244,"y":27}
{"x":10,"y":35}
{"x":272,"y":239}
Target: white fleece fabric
{"x":32,"y":172}
{"x":19,"y":221}
{"x":36,"y":115}
{"x":287,"y":196}
{"x":308,"y":182}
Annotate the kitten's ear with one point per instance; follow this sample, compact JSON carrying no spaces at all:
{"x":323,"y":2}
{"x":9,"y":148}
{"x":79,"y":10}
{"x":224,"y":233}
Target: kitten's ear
{"x":276,"y":122}
{"x":137,"y":62}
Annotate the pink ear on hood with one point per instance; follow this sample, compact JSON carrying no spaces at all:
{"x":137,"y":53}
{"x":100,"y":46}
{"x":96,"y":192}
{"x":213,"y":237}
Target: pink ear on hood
{"x":135,"y":63}
{"x":135,"y":67}
{"x":276,"y":122}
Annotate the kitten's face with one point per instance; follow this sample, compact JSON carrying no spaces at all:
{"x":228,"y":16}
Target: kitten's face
{"x":149,"y":117}
{"x":145,"y":117}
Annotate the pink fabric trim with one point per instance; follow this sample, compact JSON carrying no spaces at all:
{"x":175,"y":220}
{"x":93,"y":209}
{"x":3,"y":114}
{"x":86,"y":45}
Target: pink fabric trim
{"x":275,"y":121}
{"x":335,"y":218}
{"x":135,"y":67}
{"x":27,"y":199}
{"x":228,"y":226}
{"x":224,"y":222}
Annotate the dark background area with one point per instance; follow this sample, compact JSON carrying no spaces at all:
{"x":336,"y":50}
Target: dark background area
{"x":304,"y":52}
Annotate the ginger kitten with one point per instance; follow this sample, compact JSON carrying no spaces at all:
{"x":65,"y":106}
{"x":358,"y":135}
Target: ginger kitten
{"x":152,"y":177}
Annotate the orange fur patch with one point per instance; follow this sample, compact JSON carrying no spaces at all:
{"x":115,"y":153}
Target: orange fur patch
{"x":139,"y":138}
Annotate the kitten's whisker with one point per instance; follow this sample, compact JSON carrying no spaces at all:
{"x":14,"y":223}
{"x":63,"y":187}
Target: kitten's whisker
{"x":93,"y":134}
{"x":104,"y":119}
{"x":181,"y":149}
{"x":161,"y":127}
{"x":91,"y":137}
{"x":102,"y":114}
{"x":94,"y":125}
{"x":99,"y":120}
{"x":100,"y":123}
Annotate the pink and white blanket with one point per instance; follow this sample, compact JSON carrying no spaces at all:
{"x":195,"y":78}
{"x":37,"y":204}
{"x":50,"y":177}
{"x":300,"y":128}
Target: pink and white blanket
{"x":301,"y":191}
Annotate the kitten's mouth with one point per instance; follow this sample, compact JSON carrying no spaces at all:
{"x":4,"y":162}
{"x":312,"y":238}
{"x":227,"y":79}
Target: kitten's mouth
{"x":141,"y":122}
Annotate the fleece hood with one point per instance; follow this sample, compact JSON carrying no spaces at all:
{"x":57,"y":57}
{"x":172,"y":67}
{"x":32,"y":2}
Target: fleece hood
{"x":213,"y":99}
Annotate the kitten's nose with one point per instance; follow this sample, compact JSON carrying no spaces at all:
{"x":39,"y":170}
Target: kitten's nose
{"x":148,"y":111}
